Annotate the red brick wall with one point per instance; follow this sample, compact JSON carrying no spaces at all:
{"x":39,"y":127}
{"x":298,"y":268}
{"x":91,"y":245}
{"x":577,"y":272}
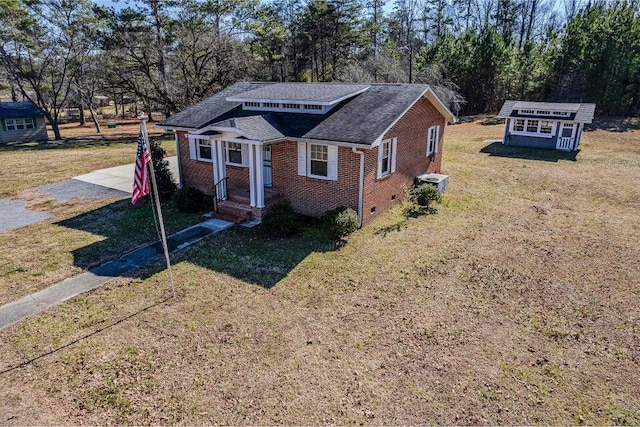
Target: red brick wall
{"x":237,"y":177}
{"x":312,"y":196}
{"x":411,"y":160}
{"x":195,"y":173}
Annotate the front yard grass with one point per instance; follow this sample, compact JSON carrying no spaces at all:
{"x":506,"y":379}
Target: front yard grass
{"x":518,"y":303}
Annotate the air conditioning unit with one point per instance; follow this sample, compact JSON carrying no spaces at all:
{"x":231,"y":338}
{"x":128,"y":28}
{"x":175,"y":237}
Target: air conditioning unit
{"x":434,"y":179}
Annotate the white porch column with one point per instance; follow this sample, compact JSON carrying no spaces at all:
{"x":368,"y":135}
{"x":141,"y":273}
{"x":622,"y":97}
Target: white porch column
{"x":220,"y":169}
{"x":259,"y":177}
{"x":252,"y":175}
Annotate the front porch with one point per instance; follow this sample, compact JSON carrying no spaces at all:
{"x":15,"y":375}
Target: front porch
{"x":237,"y":207}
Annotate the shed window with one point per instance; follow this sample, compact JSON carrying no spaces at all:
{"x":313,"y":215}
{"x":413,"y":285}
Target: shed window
{"x":543,"y":112}
{"x":312,"y":107}
{"x":532,"y":126}
{"x":270,"y":105}
{"x":526,"y":111}
{"x":518,"y":125}
{"x":19,"y":124}
{"x":291,"y":106}
{"x":561,"y":113}
{"x":251,"y":104}
{"x":546,"y":126}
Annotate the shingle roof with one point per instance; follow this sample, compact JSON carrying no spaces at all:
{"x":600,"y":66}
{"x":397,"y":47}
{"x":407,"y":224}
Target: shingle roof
{"x":16,"y":110}
{"x":311,"y":92}
{"x":583,"y":112}
{"x":360,"y":119}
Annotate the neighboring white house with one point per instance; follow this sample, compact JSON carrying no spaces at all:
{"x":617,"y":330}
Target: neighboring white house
{"x":545,"y":124}
{"x":22,"y":121}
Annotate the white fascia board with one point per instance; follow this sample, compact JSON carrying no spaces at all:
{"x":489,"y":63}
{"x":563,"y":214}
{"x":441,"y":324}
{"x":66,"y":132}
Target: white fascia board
{"x":449,"y":117}
{"x":173,"y":128}
{"x":322,"y":141}
{"x":225,"y":129}
{"x":298,"y":102}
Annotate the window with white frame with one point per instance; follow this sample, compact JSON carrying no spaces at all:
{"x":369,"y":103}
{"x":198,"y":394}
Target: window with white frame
{"x":432,"y":140}
{"x":526,"y":111}
{"x":533,"y":127}
{"x":318,"y":160}
{"x":19,"y":124}
{"x":546,"y":126}
{"x":543,"y":112}
{"x":234,"y":153}
{"x":204,"y":149}
{"x":291,"y":106}
{"x":561,"y":113}
{"x":251,"y":104}
{"x":385,"y":157}
{"x":270,"y":105}
{"x":312,"y":107}
{"x":518,"y":125}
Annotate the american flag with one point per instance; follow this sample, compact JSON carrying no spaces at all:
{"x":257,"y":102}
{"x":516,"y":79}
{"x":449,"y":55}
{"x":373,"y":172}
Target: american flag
{"x":141,"y":175}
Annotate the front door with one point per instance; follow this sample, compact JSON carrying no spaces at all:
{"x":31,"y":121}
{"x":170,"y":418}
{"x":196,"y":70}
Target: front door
{"x":266,"y":168}
{"x":566,"y":136}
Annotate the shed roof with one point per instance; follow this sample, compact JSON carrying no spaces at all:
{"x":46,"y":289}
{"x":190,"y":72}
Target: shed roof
{"x":581,"y":112}
{"x":360,"y":118}
{"x":16,"y":110}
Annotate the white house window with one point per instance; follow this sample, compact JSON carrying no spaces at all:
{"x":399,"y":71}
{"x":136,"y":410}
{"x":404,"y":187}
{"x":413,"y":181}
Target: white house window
{"x":312,"y":107}
{"x":432,"y":140}
{"x":251,"y":104}
{"x":318,"y":160}
{"x":19,"y":124}
{"x":546,"y":126}
{"x":270,"y":105}
{"x":204,"y":149}
{"x":234,"y":153}
{"x":385,"y":163}
{"x":291,"y":106}
{"x":532,"y":126}
{"x":526,"y":112}
{"x":561,"y":113}
{"x":543,"y":112}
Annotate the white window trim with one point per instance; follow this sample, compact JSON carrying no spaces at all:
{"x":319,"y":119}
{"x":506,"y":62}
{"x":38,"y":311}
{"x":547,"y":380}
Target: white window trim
{"x":23,"y":122}
{"x":211,"y":145}
{"x":244,"y":157}
{"x":537,"y":134}
{"x":304,"y":161}
{"x":393,"y":148}
{"x":433,"y":132}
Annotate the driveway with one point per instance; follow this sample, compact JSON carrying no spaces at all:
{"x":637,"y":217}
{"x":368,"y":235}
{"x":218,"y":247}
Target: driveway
{"x":110,"y":182}
{"x":120,"y":177}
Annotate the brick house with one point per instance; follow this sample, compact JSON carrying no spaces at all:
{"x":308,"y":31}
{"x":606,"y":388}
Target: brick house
{"x":317,"y":145}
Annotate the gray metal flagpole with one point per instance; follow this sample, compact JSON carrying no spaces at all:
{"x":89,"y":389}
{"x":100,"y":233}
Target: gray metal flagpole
{"x":143,"y":126}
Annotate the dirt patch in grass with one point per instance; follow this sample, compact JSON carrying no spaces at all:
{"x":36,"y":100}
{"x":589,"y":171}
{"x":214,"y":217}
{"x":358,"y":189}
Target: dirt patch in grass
{"x":518,"y":303}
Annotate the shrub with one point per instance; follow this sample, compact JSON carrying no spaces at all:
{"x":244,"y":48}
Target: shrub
{"x":340,"y":222}
{"x":164,"y":178}
{"x":419,"y":198}
{"x":189,"y":199}
{"x":281,"y":221}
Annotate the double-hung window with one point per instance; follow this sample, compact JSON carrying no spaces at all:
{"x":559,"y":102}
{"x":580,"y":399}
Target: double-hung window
{"x":433,"y":135}
{"x":318,"y":160}
{"x":387,"y":157}
{"x":204,"y":149}
{"x":234,"y":153}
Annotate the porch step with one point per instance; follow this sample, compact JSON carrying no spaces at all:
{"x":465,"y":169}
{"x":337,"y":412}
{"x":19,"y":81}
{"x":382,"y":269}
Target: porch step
{"x":232,"y":211}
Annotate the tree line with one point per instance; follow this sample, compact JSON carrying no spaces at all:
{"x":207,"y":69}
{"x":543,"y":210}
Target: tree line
{"x":169,"y":54}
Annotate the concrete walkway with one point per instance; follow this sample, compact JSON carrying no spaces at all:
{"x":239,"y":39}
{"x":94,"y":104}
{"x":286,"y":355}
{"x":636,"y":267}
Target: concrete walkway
{"x":104,"y":273}
{"x":121,"y":177}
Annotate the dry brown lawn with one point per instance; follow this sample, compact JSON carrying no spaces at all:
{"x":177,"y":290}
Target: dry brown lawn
{"x":517,"y":303}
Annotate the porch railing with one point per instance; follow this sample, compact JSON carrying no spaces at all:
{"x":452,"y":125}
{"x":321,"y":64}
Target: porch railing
{"x":564,"y":143}
{"x":219,"y":192}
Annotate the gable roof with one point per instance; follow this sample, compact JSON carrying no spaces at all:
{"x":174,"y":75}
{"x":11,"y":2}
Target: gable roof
{"x":19,"y":110}
{"x":579,"y":112}
{"x":361,"y":116}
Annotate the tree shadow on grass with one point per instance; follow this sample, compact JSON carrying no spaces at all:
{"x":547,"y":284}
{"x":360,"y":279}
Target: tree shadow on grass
{"x":130,"y":241}
{"x":498,"y":149}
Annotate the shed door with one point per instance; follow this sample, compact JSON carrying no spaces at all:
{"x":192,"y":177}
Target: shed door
{"x":566,"y":136}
